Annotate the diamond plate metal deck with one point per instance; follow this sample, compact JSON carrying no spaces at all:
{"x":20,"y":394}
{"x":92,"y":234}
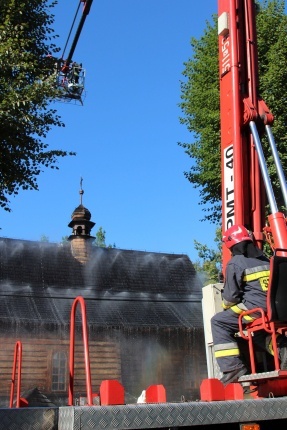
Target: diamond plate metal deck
{"x":29,"y":419}
{"x":170,"y":414}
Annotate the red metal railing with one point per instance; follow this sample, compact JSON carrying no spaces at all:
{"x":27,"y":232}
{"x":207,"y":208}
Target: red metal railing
{"x":82,"y":303}
{"x":17,"y":355}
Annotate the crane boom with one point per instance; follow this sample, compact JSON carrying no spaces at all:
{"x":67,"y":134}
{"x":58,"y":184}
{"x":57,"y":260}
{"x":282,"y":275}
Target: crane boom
{"x":71,"y":77}
{"x":244,"y":116}
{"x":86,"y":10}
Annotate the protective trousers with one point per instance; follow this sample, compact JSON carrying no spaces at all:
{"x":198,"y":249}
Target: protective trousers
{"x":224,"y":325}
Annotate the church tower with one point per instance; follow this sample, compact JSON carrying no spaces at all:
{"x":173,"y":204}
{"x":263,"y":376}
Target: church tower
{"x":81,"y":239}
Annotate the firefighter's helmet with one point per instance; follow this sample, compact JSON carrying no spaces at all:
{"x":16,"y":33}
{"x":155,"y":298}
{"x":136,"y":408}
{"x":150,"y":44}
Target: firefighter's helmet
{"x":235,"y":234}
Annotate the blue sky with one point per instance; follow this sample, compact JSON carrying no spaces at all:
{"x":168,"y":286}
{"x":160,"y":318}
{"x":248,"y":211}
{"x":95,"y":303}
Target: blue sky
{"x":126,"y":133}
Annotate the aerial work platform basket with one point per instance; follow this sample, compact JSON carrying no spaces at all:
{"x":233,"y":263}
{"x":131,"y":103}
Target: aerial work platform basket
{"x":71,"y":83}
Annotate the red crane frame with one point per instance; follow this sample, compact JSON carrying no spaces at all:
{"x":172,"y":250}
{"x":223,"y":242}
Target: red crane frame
{"x":243,"y":116}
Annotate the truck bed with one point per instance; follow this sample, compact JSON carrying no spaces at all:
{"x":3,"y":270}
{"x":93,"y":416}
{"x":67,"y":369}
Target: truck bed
{"x":227,"y":414}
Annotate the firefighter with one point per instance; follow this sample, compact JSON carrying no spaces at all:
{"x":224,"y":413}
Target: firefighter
{"x":245,"y":287}
{"x":76,"y":70}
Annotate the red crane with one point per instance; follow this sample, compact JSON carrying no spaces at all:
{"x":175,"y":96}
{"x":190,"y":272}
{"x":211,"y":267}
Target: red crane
{"x":244,"y":117}
{"x":246,"y":187}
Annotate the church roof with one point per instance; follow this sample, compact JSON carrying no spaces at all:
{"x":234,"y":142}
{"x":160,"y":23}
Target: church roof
{"x":39,"y":281}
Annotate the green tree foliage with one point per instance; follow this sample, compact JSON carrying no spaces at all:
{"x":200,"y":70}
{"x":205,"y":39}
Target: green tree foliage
{"x":272,"y":48}
{"x":200,"y":101}
{"x":44,"y":238}
{"x":208,"y":267}
{"x":27,"y":88}
{"x":100,"y":239}
{"x":200,"y":105}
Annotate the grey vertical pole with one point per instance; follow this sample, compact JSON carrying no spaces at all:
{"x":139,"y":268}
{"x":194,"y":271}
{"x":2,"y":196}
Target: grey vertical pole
{"x":263,"y":167}
{"x":278,"y":164}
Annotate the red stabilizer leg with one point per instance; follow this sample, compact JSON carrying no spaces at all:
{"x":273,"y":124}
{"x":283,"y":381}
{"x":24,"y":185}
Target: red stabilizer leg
{"x":155,"y":394}
{"x":234,"y":391}
{"x":211,"y":389}
{"x":112,"y":393}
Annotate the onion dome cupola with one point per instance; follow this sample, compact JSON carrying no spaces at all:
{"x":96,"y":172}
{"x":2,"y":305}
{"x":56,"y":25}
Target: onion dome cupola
{"x":81,"y":220}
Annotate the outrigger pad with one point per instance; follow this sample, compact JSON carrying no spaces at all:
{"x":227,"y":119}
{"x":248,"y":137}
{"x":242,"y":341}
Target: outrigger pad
{"x":211,"y":390}
{"x":112,"y":393}
{"x":234,"y":391}
{"x":155,"y":394}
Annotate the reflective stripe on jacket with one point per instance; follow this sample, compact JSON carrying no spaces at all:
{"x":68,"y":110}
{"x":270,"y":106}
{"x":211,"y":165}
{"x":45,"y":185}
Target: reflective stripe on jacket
{"x":246,"y":281}
{"x":239,"y":308}
{"x":259,"y":273}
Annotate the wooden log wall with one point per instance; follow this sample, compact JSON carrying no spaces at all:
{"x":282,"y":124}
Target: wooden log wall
{"x":37,"y":365}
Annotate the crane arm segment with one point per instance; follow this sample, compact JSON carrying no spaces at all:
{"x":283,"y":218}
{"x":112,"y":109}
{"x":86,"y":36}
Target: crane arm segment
{"x":86,"y":10}
{"x":70,"y":78}
{"x":243,"y":116}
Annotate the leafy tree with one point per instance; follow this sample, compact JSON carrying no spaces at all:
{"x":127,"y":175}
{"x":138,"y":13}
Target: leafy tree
{"x":44,"y":238}
{"x":27,"y":88}
{"x":101,"y":239}
{"x":200,"y":104}
{"x":200,"y":101}
{"x":208,"y":267}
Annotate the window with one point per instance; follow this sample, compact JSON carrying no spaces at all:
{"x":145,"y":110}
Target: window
{"x":59,"y":371}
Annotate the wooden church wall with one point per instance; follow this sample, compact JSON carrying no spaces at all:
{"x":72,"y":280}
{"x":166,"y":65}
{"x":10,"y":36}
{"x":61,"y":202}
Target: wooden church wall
{"x":45,"y":366}
{"x":136,"y":357}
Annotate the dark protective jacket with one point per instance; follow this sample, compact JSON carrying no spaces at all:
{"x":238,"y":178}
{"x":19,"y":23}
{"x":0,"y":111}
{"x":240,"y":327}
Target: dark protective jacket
{"x":246,"y":281}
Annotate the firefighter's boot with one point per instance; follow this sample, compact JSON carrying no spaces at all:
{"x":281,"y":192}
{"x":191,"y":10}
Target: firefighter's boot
{"x":234,"y":375}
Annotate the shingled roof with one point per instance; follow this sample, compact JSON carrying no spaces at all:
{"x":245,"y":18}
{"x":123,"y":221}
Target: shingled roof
{"x":39,"y":281}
